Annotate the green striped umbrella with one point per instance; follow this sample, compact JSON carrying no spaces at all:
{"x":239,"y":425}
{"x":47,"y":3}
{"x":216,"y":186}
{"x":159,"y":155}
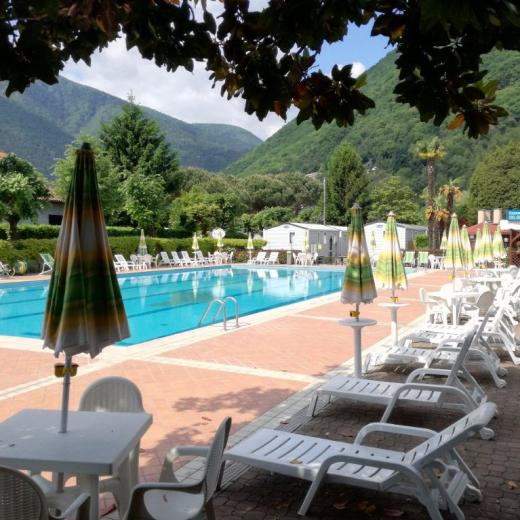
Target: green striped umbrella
{"x":499,"y":251}
{"x":466,"y":247}
{"x":84,"y":311}
{"x":477,"y":247}
{"x":358,"y":284}
{"x":444,"y":241}
{"x":195,"y":243}
{"x":141,"y":248}
{"x":486,"y":252}
{"x":390,"y":272}
{"x":454,"y":258}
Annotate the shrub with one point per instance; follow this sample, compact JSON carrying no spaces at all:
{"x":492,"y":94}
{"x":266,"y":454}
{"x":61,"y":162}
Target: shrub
{"x":421,"y":241}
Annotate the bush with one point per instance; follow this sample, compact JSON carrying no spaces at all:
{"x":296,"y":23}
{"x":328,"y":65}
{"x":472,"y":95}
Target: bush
{"x":421,"y":241}
{"x":28,"y":250}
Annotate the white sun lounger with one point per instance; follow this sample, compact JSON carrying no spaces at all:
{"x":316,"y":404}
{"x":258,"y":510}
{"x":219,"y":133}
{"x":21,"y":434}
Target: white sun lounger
{"x":260,"y":258}
{"x":272,"y":259}
{"x":432,"y":472}
{"x":165,"y":259}
{"x":176,"y":259}
{"x":460,"y":392}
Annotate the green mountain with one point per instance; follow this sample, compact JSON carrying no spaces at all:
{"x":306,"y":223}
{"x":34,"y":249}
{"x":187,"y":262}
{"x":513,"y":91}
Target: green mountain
{"x":385,"y":136}
{"x":38,"y":124}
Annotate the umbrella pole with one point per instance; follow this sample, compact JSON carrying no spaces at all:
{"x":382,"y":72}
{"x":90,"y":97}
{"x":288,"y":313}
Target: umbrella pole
{"x":65,"y":394}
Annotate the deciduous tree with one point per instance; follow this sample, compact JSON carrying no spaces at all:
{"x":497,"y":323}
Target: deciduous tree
{"x":22,"y":191}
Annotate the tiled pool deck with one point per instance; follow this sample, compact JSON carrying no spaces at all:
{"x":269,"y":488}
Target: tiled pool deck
{"x":262,"y":374}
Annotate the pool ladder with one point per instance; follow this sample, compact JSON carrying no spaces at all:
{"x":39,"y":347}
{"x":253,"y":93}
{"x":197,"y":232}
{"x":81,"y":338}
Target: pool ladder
{"x":221,"y":308}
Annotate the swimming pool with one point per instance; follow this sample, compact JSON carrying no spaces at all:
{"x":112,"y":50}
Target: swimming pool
{"x":167,"y":302}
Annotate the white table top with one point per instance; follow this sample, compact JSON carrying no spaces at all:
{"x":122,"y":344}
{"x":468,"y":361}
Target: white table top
{"x":95,"y":444}
{"x":454,"y":294}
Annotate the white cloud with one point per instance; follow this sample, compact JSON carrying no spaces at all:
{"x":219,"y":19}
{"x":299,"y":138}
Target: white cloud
{"x":184,"y":95}
{"x":357,"y":69}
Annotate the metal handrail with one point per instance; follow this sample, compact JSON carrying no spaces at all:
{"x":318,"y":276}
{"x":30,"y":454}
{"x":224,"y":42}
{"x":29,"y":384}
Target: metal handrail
{"x":221,"y":308}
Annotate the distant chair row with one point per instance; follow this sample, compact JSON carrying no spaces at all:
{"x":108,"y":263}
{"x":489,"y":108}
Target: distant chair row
{"x":305,"y":258}
{"x":136,"y":263}
{"x":184,"y":259}
{"x":422,"y":259}
{"x":262,"y":258}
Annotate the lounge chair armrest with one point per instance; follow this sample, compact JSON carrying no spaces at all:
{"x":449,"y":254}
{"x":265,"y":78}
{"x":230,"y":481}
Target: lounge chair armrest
{"x":167,"y":471}
{"x":392,"y":428}
{"x":82,"y":501}
{"x":421,"y":372}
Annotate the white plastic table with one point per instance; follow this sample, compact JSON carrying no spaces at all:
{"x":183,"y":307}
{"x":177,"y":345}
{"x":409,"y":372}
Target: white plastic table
{"x":454,"y":299}
{"x":95,"y":444}
{"x":394,"y":307}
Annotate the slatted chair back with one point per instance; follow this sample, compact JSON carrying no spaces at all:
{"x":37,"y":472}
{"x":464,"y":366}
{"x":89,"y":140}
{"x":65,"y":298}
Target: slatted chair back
{"x":176,"y":258}
{"x":111,"y":394}
{"x":164,"y":257}
{"x":185,"y":256}
{"x":439,"y":445}
{"x":213,"y":467}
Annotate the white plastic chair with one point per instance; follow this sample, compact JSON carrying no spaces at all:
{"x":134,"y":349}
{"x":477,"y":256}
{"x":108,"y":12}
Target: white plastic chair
{"x":176,"y":259}
{"x":170,"y":499}
{"x":116,"y":394}
{"x":22,"y":499}
{"x":165,"y":259}
{"x":260,"y":258}
{"x":434,"y":308}
{"x":185,"y":257}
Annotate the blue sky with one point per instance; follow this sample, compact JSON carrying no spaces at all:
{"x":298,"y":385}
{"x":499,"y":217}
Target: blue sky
{"x":189,"y":96}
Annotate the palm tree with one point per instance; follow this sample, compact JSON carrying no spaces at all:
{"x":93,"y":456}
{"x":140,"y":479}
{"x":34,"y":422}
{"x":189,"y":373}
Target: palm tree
{"x":452,"y":193}
{"x":430,"y":152}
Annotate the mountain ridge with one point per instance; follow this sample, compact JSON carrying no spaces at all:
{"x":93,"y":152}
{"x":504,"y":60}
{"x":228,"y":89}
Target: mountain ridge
{"x":38,"y":124}
{"x":386,"y":135}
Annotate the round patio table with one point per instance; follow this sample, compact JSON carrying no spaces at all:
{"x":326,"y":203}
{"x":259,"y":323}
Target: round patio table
{"x":357,"y":326}
{"x":454,"y":300}
{"x":394,"y":307}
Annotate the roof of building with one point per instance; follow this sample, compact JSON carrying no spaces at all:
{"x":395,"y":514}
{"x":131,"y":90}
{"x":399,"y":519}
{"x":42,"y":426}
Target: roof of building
{"x":315,"y":227}
{"x":417,"y":227}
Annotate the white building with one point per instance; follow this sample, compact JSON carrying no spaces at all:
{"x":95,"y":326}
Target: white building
{"x":405,"y":232}
{"x":327,"y":241}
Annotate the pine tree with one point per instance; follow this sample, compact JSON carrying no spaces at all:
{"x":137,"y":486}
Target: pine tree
{"x":135,"y":143}
{"x":346,"y":183}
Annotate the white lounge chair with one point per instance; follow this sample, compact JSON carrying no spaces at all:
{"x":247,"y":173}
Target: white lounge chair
{"x":123,"y":263}
{"x":170,"y":499}
{"x":186,"y":260}
{"x":273,"y":258}
{"x":165,"y":259}
{"x":260,"y":258}
{"x":200,"y":258}
{"x":460,"y":392}
{"x":22,"y":499}
{"x":176,"y":259}
{"x":47,"y":263}
{"x":432,"y":472}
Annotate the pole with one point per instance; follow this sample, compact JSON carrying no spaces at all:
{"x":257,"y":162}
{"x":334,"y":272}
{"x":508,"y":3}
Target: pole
{"x":324,"y":200}
{"x":358,"y":371}
{"x":65,"y":394}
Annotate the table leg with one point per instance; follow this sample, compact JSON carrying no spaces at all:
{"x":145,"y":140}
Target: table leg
{"x":90,"y":484}
{"x":393,"y":325}
{"x":357,"y":352}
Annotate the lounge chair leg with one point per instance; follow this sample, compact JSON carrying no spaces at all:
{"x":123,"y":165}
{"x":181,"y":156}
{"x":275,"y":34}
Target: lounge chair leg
{"x":210,"y":510}
{"x":309,"y":497}
{"x":486,"y":434}
{"x":311,"y":410}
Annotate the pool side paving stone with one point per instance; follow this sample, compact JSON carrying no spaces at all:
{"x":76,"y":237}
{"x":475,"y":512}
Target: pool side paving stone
{"x":262,"y":374}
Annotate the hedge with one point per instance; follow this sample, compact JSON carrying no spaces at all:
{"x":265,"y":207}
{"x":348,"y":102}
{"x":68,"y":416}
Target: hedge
{"x":28,"y":250}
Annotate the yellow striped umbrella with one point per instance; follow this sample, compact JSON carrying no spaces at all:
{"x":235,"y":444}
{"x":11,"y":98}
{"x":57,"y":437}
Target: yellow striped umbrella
{"x":195,"y":243}
{"x":444,"y":241}
{"x":466,"y":247}
{"x":84,"y":311}
{"x":486,"y":251}
{"x":499,"y":251}
{"x":454,"y":258}
{"x":250,"y":246}
{"x":477,"y":247}
{"x":220,"y":243}
{"x":390,"y":273}
{"x":358,"y":284}
{"x":142,"y":249}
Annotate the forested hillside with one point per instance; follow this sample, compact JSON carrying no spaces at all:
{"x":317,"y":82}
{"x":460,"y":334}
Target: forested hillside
{"x":386,"y":136}
{"x":38,"y":124}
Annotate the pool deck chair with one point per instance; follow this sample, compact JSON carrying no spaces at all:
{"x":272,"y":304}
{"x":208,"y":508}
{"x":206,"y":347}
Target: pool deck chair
{"x":409,"y":258}
{"x":260,"y":258}
{"x":273,"y":258}
{"x":460,"y":392}
{"x":422,"y":260}
{"x":432,"y":472}
{"x":48,"y":263}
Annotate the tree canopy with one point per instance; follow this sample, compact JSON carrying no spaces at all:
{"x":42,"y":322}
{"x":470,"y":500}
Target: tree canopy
{"x":268,"y":56}
{"x":347,"y":183}
{"x":496,"y":178}
{"x":22,"y":191}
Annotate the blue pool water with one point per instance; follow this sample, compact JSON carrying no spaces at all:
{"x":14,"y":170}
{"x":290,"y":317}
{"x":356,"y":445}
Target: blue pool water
{"x":168,"y":302}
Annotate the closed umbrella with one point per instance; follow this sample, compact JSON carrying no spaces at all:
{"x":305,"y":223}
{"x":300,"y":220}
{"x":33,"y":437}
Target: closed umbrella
{"x":358,"y":284}
{"x":390,"y":273}
{"x":220,"y":243}
{"x":466,"y":247}
{"x":306,"y":242}
{"x":486,"y":252}
{"x":373,"y":241}
{"x":195,"y":243}
{"x":250,"y":246}
{"x":142,"y":249}
{"x":477,"y":248}
{"x":499,"y":251}
{"x":444,"y":241}
{"x":84,"y":311}
{"x":454,"y":258}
